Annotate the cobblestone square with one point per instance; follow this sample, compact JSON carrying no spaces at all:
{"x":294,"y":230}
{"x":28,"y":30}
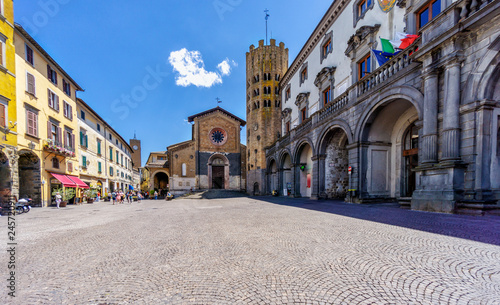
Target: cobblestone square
{"x":258,"y":250}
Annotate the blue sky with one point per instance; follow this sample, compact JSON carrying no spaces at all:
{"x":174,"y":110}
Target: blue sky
{"x":148,"y":65}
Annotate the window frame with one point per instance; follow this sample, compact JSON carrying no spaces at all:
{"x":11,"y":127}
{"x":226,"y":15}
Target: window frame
{"x":3,"y":51}
{"x":67,"y":110}
{"x":427,"y":5}
{"x":303,"y":73}
{"x":327,"y":91}
{"x":29,"y":51}
{"x":358,"y":11}
{"x":368,"y":65}
{"x":28,"y":83}
{"x":324,"y":52}
{"x":51,"y":74}
{"x":66,"y":88}
{"x":55,"y":101}
{"x":58,"y":163}
{"x":303,"y":114}
{"x":5,"y":105}
{"x":35,"y":123}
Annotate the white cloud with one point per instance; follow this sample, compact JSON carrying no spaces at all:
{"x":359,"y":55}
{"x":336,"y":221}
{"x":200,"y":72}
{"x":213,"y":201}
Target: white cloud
{"x":191,"y":69}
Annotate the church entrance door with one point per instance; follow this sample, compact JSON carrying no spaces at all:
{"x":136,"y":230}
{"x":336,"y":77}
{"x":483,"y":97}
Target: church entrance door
{"x":218,"y":177}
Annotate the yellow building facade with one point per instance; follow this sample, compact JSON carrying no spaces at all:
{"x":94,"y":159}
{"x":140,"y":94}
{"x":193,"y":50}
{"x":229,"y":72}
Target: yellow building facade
{"x":47,"y":123}
{"x":8,"y":114}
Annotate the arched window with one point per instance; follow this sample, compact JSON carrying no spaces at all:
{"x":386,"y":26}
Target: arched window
{"x":184,"y":169}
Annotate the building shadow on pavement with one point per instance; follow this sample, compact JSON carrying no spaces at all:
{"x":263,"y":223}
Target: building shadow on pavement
{"x":484,"y":229}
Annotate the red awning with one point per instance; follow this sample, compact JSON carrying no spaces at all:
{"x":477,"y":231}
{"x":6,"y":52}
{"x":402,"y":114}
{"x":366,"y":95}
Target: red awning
{"x":64,"y":180}
{"x":79,"y":182}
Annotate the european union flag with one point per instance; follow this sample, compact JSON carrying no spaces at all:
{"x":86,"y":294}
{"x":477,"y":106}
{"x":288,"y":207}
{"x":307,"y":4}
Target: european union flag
{"x":383,"y":57}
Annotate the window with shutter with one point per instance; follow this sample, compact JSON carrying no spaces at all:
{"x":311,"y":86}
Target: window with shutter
{"x":29,"y":55}
{"x":51,"y":98}
{"x":2,"y":51}
{"x":56,"y":102}
{"x":99,"y":168}
{"x":84,"y":162}
{"x":32,"y":123}
{"x":111,"y":153}
{"x":30,"y":83}
{"x":59,"y":135}
{"x":3,"y":120}
{"x":99,"y":147}
{"x":86,"y":141}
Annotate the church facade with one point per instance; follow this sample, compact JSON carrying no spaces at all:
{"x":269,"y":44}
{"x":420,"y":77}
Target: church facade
{"x":213,"y":159}
{"x":421,"y":128}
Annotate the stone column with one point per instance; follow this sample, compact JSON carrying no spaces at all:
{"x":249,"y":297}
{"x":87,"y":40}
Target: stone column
{"x":429,"y":134}
{"x":315,"y":178}
{"x":294,"y":169}
{"x":451,"y":115}
{"x":321,"y":176}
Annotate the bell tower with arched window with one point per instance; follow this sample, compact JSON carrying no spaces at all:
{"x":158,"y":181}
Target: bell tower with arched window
{"x":266,"y":64}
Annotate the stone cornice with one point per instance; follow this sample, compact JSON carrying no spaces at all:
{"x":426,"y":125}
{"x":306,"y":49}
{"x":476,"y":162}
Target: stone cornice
{"x":321,"y":29}
{"x":358,"y":37}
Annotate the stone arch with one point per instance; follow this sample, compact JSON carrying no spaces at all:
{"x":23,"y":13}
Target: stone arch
{"x":303,"y":172}
{"x":30,"y":183}
{"x":485,"y":75}
{"x":283,"y":154}
{"x":335,"y":124}
{"x":272,"y":174}
{"x":380,"y":131}
{"x":161,"y":179}
{"x":218,"y":172}
{"x":303,"y":141}
{"x":410,"y":94}
{"x":285,"y":166}
{"x":333,"y":162}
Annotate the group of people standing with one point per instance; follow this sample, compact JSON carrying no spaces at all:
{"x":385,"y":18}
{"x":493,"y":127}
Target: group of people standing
{"x":120,"y":197}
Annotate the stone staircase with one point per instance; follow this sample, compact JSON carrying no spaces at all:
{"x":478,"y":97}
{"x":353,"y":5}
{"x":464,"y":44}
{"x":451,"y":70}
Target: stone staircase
{"x":475,"y":208}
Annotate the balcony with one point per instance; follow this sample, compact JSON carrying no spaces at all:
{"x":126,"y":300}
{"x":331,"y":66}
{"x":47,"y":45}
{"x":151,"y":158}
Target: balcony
{"x":387,"y":70}
{"x":58,"y":148}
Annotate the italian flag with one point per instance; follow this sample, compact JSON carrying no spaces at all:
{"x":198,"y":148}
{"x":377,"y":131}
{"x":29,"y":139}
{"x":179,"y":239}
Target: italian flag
{"x":403,"y":40}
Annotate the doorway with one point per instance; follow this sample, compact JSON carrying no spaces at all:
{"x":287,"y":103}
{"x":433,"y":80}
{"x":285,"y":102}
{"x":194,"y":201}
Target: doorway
{"x":217,"y":177}
{"x":410,"y":156}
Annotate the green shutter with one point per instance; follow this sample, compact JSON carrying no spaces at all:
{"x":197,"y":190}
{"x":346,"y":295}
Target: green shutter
{"x":111,"y":154}
{"x":86,"y":141}
{"x":81,"y":138}
{"x":98,"y":147}
{"x":99,"y":166}
{"x":84,"y":161}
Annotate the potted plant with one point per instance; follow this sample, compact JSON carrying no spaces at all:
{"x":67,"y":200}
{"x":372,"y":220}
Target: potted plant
{"x":91,"y":194}
{"x":69,"y":193}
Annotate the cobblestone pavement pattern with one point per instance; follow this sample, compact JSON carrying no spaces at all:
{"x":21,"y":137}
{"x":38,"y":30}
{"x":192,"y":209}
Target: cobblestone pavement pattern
{"x":253,"y":251}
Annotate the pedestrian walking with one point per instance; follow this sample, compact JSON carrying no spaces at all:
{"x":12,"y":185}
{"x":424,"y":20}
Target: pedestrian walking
{"x":156,"y":195}
{"x":98,"y":196}
{"x":58,"y":199}
{"x":113,"y":195}
{"x":139,"y":197}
